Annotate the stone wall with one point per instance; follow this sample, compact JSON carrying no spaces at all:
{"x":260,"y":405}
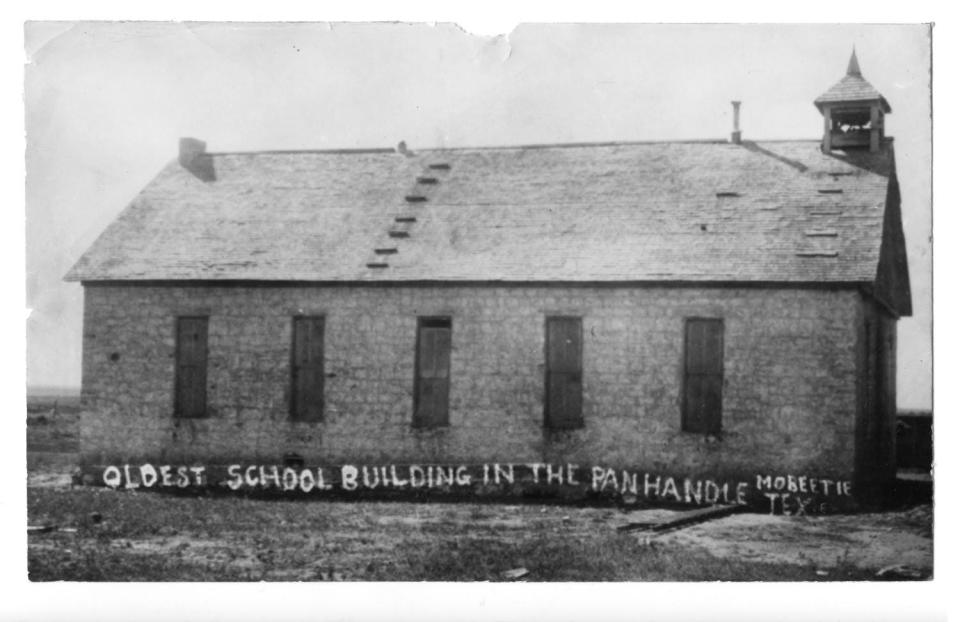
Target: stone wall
{"x":789,"y":401}
{"x":877,"y":406}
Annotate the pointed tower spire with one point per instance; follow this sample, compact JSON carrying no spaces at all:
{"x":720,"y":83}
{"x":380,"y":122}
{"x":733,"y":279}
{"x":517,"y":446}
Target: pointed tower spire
{"x":852,"y":112}
{"x":853,"y":68}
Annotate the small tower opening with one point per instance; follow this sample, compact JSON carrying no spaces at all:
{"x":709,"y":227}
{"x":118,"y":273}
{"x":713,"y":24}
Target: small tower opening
{"x":853,"y":112}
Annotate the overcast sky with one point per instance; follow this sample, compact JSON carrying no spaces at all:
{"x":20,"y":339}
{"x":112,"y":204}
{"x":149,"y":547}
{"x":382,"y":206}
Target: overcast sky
{"x":106,"y":104}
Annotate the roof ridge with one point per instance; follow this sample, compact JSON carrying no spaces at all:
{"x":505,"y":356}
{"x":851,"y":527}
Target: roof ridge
{"x":571,"y":145}
{"x":297,"y":151}
{"x":575,"y":145}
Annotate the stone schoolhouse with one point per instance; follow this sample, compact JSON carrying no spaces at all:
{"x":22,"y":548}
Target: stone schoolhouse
{"x":721,"y":309}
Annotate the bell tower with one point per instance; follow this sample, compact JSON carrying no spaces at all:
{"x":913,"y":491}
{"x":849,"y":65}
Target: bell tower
{"x":852,"y":112}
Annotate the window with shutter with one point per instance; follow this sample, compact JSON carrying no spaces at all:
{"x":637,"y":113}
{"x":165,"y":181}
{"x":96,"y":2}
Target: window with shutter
{"x":306,"y":368}
{"x":564,"y":395}
{"x":190,"y":394}
{"x":431,"y":395}
{"x":703,"y":376}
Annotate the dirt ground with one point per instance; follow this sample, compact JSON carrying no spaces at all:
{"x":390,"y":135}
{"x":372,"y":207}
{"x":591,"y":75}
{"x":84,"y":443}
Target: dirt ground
{"x":867,"y":541}
{"x":225,"y":538}
{"x":101,"y":534}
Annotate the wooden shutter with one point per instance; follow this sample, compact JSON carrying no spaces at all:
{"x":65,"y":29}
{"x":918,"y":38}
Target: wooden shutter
{"x":191,"y":373}
{"x":703,"y":376}
{"x":432,"y":391}
{"x":564,"y":395}
{"x":306,"y":403}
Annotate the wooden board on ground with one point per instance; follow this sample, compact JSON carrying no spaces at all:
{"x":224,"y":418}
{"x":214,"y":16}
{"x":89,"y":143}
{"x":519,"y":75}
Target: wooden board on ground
{"x":681,"y":519}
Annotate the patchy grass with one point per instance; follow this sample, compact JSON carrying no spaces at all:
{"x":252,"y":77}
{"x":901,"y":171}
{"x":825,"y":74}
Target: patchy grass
{"x":137,"y":536}
{"x":44,"y":401}
{"x":146,"y":536}
{"x":52,"y":426}
{"x":607,"y":557}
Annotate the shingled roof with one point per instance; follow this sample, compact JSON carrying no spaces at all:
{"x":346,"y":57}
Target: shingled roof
{"x":662,"y":212}
{"x":852,"y":88}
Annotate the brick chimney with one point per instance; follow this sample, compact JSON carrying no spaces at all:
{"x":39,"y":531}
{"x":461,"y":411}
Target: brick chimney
{"x":194,"y":157}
